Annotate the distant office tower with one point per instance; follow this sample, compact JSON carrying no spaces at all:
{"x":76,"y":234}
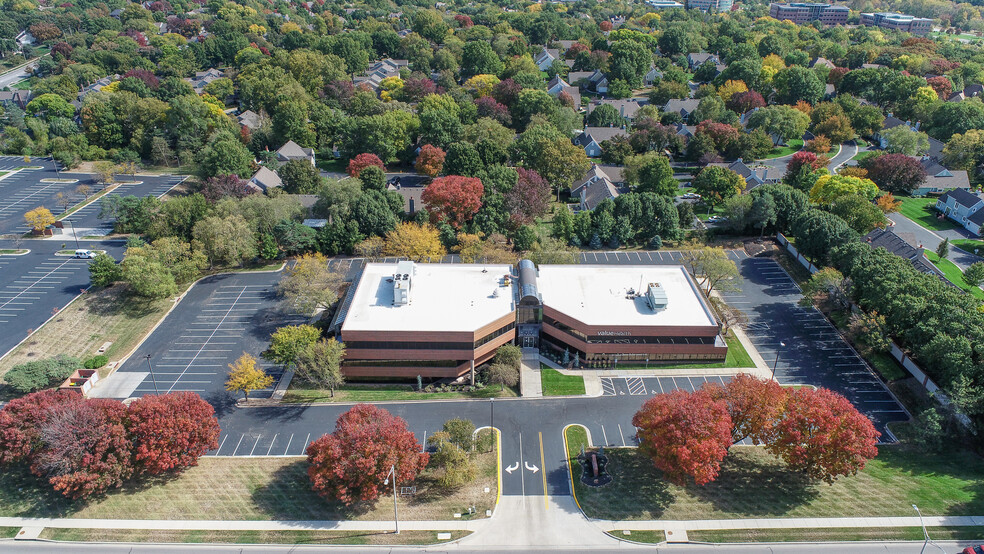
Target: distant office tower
{"x":663,"y":4}
{"x":898,"y":21}
{"x":715,"y":6}
{"x":802,"y":13}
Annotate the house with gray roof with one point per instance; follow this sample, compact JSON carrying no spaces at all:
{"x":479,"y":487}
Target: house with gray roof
{"x":698,"y":59}
{"x":203,"y":78}
{"x":250,"y":119}
{"x":598,"y":184}
{"x":591,"y":138}
{"x":293,"y":151}
{"x":940,"y":179}
{"x":963,"y":207}
{"x":684,"y":107}
{"x":546,"y":58}
{"x":627,"y":108}
{"x":264,"y":180}
{"x":887,"y":239}
{"x":18,"y":98}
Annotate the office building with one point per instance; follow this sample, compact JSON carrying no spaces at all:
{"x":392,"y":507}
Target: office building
{"x":898,"y":21}
{"x":803,"y":13}
{"x":443,"y":320}
{"x":710,"y":6}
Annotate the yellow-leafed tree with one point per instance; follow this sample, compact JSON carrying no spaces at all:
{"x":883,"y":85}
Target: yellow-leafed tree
{"x":39,"y":218}
{"x":246,"y":377}
{"x":416,"y":242}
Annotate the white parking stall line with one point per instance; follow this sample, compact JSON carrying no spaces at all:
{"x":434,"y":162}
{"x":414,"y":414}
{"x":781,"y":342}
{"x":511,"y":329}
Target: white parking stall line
{"x":216,"y":330}
{"x":271,"y":443}
{"x":286,"y":450}
{"x":306,"y":442}
{"x":237,"y":444}
{"x":604,"y":434}
{"x":620,"y":434}
{"x":258,"y":437}
{"x":221,"y":444}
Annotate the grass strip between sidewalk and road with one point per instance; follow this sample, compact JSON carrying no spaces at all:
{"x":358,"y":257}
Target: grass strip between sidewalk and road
{"x":922,"y":211}
{"x":388,"y":393}
{"x":8,"y":532}
{"x":953,"y":274}
{"x":556,"y":383}
{"x":969,"y":245}
{"x":358,"y":538}
{"x":646,"y":536}
{"x":754,"y":484}
{"x":835,"y":534}
{"x":247,"y":489}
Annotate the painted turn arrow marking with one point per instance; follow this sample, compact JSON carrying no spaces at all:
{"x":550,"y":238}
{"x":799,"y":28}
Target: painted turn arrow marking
{"x":512,"y":468}
{"x":534,"y":469}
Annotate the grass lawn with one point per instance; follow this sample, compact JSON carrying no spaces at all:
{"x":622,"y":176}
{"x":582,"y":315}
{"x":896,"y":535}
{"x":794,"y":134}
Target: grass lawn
{"x":969,"y":245}
{"x":864,"y":155}
{"x":368,"y":538}
{"x":754,"y":484}
{"x":383,"y":393}
{"x":703,"y":215}
{"x":331,"y":165}
{"x":791,"y":147}
{"x":556,"y":383}
{"x":12,"y":251}
{"x":8,"y":532}
{"x":836,"y":534}
{"x":954,"y":274}
{"x":648,"y":537}
{"x":737,"y":357}
{"x":92,"y":198}
{"x":245,"y":489}
{"x":100,"y":315}
{"x":921,"y":211}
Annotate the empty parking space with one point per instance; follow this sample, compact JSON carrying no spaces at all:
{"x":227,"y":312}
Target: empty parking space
{"x":649,"y":386}
{"x":32,"y":289}
{"x":802,"y":346}
{"x":25,"y":190}
{"x":220,"y":318}
{"x":88,"y":217}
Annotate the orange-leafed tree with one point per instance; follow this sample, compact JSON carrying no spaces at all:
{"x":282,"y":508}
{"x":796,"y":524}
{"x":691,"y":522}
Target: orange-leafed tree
{"x":39,"y":218}
{"x":823,"y":435}
{"x":350,"y":464}
{"x":453,"y":198}
{"x":754,"y":406}
{"x":888,"y":203}
{"x":686,"y":434}
{"x":170,"y":432}
{"x":430,"y":160}
{"x":362,"y":161}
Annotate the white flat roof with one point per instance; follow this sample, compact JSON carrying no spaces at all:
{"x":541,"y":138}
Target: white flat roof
{"x":596,"y":295}
{"x":443,"y":297}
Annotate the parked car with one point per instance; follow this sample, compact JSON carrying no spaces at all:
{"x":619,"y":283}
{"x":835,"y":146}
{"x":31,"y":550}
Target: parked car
{"x":974,"y":549}
{"x":85,"y":254}
{"x":716,"y":219}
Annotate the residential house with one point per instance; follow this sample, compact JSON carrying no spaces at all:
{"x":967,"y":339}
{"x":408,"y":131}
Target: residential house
{"x":293,"y":151}
{"x":18,"y":98}
{"x":556,"y":85}
{"x":651,"y":76}
{"x":891,"y":122}
{"x":264,"y":180}
{"x":411,"y":188}
{"x":546,"y":58}
{"x":203,"y":78}
{"x":314,"y":223}
{"x":686,"y":131}
{"x":580,"y":78}
{"x":378,"y":71}
{"x":599,"y":183}
{"x":683,"y":107}
{"x":964,"y":207}
{"x":24,"y":38}
{"x":627,"y":108}
{"x":752,"y":177}
{"x":823,"y":62}
{"x":697,"y":59}
{"x":250,"y":119}
{"x":591,"y":138}
{"x":940,"y":179}
{"x":970,"y":91}
{"x":599,"y":82}
{"x":96,"y":86}
{"x":887,"y":239}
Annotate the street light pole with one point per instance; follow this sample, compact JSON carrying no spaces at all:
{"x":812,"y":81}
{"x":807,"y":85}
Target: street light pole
{"x":396,"y":514}
{"x":776,"y":364}
{"x":492,"y":423}
{"x":73,"y":233}
{"x":152,"y":378}
{"x":925,"y":532}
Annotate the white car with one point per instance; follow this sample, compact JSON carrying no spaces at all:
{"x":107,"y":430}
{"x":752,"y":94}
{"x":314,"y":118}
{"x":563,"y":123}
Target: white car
{"x":715,"y":219}
{"x":85,"y":254}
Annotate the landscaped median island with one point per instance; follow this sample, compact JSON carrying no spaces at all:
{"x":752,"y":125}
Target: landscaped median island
{"x":347,"y":538}
{"x":754,"y":484}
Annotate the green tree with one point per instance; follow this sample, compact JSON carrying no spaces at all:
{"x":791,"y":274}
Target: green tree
{"x":300,"y":177}
{"x":224,"y":155}
{"x":103,"y":270}
{"x":782,"y":123}
{"x":798,"y":83}
{"x":651,"y":172}
{"x":859,"y":213}
{"x":903,"y":140}
{"x":320,"y":364}
{"x":478,"y":58}
{"x":503,"y":375}
{"x":226,"y":240}
{"x":763,"y":212}
{"x":628,"y":62}
{"x":461,"y":432}
{"x":287,"y":343}
{"x":605,"y":115}
{"x":147,"y":278}
{"x":974,"y":274}
{"x":712,"y":268}
{"x":943,"y":249}
{"x":715,"y":184}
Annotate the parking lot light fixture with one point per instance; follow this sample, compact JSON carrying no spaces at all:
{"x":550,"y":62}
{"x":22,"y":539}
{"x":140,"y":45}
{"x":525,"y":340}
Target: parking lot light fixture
{"x":776,"y":363}
{"x":396,"y":514}
{"x":927,"y":540}
{"x":73,"y":233}
{"x":152,"y":378}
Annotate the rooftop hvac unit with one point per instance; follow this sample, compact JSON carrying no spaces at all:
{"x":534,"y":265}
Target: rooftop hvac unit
{"x":656,"y":297}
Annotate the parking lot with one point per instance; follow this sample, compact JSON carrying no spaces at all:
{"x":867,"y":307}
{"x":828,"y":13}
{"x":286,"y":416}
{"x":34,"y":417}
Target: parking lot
{"x":33,"y":288}
{"x":25,"y":190}
{"x":803,"y":346}
{"x":219,"y":319}
{"x":86,"y":220}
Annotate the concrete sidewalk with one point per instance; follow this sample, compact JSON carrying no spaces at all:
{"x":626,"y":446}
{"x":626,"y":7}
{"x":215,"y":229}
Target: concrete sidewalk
{"x":794,"y":523}
{"x":242,"y":525}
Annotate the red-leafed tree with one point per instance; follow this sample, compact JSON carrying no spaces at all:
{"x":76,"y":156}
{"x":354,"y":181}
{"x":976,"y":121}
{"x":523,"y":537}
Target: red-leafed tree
{"x":350,"y":464}
{"x":529,"y":198}
{"x":414,"y":90}
{"x":754,"y":406}
{"x":836,"y":75}
{"x":19,"y":421}
{"x":745,"y":101}
{"x":942,"y":85}
{"x":453,"y":198}
{"x":721,"y":134}
{"x":171,"y":431}
{"x":686,"y":434}
{"x":488,"y":106}
{"x":576,"y":49}
{"x":362,"y":161}
{"x":430,"y":160}
{"x":464,"y":21}
{"x":605,"y":26}
{"x":144,"y":75}
{"x":82,"y":446}
{"x":803,"y":159}
{"x":220,"y":186}
{"x":63,"y":48}
{"x":895,"y":173}
{"x":506,"y":91}
{"x":823,"y":435}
